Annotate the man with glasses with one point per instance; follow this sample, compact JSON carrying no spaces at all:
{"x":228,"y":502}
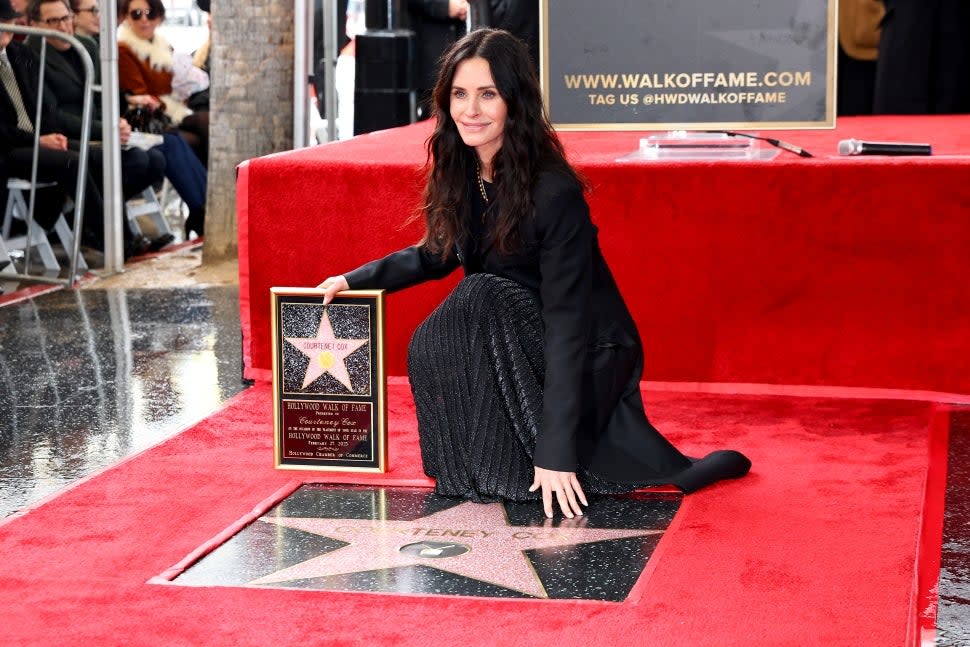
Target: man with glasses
{"x":87,"y":18}
{"x":64,"y":79}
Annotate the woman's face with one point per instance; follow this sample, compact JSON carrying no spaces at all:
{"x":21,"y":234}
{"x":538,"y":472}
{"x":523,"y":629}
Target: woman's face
{"x":142,"y":20}
{"x":477,"y":108}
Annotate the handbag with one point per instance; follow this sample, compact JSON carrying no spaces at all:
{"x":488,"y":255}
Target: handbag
{"x":145,"y":120}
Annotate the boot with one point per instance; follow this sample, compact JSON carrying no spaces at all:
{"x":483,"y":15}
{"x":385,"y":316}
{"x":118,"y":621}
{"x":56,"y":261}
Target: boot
{"x":195,"y":222}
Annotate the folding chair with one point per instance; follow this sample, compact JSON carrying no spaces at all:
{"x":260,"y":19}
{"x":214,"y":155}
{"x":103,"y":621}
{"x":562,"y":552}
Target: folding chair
{"x":146,"y":204}
{"x":36,"y":236}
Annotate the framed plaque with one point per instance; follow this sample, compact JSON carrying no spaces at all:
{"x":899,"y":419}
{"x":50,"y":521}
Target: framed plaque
{"x":329,"y":386}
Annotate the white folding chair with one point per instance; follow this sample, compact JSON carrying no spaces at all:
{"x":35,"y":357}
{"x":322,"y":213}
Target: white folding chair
{"x":146,"y":204}
{"x":36,"y":236}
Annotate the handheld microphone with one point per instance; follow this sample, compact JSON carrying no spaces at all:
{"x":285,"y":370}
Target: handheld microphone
{"x":856,"y":147}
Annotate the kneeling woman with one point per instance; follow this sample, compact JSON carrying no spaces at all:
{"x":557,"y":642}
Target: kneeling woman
{"x":526,"y":378}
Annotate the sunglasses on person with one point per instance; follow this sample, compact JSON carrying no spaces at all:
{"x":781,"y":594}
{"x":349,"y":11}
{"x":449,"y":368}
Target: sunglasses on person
{"x":138,"y":14}
{"x":63,"y":20}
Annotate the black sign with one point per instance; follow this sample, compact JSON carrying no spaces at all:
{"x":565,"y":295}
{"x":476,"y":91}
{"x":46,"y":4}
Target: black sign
{"x":690,"y":64}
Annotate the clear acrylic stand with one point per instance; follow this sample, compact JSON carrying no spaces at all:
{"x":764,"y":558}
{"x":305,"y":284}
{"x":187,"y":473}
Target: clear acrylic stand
{"x":694,"y":145}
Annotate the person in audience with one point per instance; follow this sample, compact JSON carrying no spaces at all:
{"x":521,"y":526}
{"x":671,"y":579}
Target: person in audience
{"x":145,"y":71}
{"x":526,"y":379}
{"x":56,"y":161}
{"x":436,"y":24}
{"x":87,"y":18}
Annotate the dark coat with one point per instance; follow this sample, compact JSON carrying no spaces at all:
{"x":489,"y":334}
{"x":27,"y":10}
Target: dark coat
{"x":592,"y":408}
{"x":434,"y":33}
{"x":25,"y":67}
{"x":924,"y":58}
{"x":62,"y":80}
{"x":521,"y":18}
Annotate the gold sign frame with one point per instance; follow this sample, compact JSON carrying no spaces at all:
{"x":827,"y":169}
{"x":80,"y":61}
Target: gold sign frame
{"x":329,"y":380}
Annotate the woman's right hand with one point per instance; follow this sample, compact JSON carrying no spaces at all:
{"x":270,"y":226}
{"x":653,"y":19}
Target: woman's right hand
{"x":145,"y":101}
{"x":332,"y":285}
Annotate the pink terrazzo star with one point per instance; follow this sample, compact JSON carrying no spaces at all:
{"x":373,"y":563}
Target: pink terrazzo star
{"x":327,"y":353}
{"x":492,"y":547}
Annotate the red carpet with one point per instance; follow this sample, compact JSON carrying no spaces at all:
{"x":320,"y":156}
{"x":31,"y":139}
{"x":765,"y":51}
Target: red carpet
{"x":817,"y":546}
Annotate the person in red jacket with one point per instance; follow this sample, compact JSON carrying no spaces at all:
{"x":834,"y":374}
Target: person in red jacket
{"x":146,"y":66}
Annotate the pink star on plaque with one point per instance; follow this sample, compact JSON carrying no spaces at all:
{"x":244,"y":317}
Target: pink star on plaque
{"x":327,"y":353}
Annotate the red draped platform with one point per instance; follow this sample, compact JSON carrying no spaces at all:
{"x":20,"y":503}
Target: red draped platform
{"x":850,"y":271}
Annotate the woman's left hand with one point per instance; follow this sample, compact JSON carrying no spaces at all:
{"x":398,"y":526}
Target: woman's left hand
{"x":569,"y":493}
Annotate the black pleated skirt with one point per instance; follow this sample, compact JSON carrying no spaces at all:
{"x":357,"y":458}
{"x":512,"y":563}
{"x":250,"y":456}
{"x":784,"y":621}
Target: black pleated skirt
{"x":476,"y":369}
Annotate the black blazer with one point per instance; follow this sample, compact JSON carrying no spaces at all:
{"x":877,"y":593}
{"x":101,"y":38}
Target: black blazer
{"x":593,"y":413}
{"x":25,"y":67}
{"x":65,"y":86}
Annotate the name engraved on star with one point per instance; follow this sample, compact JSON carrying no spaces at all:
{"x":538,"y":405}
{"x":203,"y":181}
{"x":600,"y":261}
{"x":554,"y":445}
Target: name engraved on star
{"x":328,"y":380}
{"x":463,"y":533}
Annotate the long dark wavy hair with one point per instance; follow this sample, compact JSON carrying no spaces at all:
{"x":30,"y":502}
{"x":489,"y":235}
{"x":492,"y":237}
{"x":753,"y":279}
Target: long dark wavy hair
{"x":529,"y":145}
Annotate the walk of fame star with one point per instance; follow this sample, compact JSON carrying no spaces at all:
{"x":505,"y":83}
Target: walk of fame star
{"x":326,"y":353}
{"x":471,"y":539}
{"x":402,"y":540}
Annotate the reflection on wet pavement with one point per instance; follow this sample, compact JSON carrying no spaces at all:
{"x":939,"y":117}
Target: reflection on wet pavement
{"x":89,"y":377}
{"x":953,"y":614}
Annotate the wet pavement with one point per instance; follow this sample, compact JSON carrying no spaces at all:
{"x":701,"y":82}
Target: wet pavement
{"x":953,"y":613}
{"x":88,"y":377}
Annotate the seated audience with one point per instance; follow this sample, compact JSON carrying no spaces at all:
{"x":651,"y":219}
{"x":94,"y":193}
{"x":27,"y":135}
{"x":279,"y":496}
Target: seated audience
{"x":57,"y":162}
{"x":64,"y":80}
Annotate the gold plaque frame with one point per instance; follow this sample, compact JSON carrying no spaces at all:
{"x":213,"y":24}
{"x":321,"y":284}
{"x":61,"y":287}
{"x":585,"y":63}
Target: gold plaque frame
{"x":329,"y":381}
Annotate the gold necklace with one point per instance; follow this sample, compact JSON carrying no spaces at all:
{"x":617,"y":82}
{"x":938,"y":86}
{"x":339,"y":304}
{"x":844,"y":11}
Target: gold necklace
{"x":481,"y":183}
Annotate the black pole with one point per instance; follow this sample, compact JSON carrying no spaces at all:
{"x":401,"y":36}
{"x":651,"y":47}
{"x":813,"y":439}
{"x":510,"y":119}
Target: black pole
{"x":384,"y":94}
{"x":376,"y":14}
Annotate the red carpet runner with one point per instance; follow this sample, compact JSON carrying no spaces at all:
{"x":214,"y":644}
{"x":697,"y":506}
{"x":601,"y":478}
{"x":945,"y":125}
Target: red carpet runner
{"x":816,"y":547}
